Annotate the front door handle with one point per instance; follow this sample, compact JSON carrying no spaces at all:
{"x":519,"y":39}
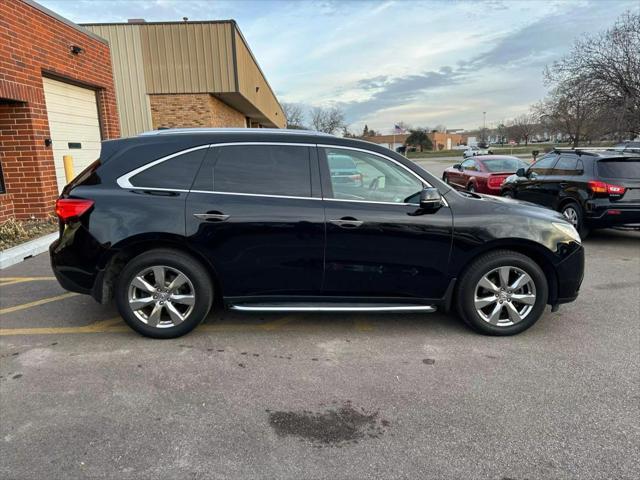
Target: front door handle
{"x":347,"y":222}
{"x":211,"y":217}
{"x":564,"y":184}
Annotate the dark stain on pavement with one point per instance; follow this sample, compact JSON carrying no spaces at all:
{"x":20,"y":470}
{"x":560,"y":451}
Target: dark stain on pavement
{"x":614,"y":285}
{"x":332,"y":427}
{"x":428,"y":361}
{"x":17,"y":375}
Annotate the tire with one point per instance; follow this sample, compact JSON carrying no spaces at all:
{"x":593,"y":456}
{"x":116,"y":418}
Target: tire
{"x":507,"y":194}
{"x":574,"y":214}
{"x":533,"y":292}
{"x":471,"y":188}
{"x":160,"y":312}
{"x":445,"y":179}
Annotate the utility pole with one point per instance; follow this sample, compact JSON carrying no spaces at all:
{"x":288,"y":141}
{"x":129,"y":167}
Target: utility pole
{"x":484,"y":127}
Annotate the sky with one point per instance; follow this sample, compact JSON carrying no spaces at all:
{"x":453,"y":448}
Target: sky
{"x":420,"y":62}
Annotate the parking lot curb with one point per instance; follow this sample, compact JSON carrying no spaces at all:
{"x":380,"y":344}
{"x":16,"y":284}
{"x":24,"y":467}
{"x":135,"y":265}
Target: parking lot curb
{"x":17,"y":254}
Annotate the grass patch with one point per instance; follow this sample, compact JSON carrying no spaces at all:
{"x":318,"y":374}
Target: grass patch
{"x":14,"y":232}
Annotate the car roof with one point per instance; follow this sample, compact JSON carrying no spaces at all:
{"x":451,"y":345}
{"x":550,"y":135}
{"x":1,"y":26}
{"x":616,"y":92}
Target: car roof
{"x":601,"y":152}
{"x":252,"y":131}
{"x":495,"y":157}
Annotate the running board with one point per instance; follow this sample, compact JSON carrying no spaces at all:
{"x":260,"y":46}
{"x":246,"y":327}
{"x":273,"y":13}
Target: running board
{"x":333,"y":307}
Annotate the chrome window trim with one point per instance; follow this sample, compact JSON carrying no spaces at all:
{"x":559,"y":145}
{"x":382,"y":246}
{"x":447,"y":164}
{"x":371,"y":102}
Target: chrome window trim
{"x":124,"y":181}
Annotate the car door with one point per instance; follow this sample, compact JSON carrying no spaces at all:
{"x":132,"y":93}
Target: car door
{"x":531,"y":187}
{"x":469,"y":169}
{"x":378,"y":242}
{"x":256,"y":214}
{"x":459,"y":176}
{"x":562,"y":181}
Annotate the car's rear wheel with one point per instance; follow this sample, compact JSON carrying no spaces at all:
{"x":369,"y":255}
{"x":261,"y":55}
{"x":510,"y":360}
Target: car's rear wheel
{"x":471,"y":188}
{"x":163,"y":293}
{"x":507,"y":194}
{"x":445,"y":179}
{"x":502,"y":293}
{"x":573,"y":213}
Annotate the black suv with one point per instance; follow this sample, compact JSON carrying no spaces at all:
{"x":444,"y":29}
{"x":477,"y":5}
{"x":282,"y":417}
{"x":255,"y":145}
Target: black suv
{"x":591,"y":188}
{"x":168,"y":222}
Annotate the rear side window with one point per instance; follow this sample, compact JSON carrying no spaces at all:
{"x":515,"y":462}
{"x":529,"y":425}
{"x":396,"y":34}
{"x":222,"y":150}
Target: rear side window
{"x":568,"y":165}
{"x":619,"y":168}
{"x":544,"y":165}
{"x":262,"y":169}
{"x":175,"y":173}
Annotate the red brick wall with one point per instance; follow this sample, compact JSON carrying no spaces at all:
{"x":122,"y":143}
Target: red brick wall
{"x":193,"y":110}
{"x":32,"y":42}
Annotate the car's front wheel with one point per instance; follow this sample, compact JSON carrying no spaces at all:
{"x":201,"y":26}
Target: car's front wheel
{"x":502,"y":293}
{"x":163,"y":293}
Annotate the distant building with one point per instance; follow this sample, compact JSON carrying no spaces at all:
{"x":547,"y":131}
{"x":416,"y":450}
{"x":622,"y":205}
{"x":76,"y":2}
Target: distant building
{"x":392,"y":142}
{"x":446,"y":140}
{"x":187,"y":74}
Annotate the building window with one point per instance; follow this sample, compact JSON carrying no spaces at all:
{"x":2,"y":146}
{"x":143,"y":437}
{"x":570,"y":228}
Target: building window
{"x":2,"y":189}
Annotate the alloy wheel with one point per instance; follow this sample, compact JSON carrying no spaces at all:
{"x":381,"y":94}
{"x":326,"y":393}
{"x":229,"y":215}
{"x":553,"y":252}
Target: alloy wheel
{"x":571,"y":215}
{"x":161,"y":296}
{"x":505,"y":296}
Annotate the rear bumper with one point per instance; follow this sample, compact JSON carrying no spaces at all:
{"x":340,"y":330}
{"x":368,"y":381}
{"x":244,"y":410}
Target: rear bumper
{"x":74,"y":259}
{"x":611,"y":214}
{"x":570,"y":275}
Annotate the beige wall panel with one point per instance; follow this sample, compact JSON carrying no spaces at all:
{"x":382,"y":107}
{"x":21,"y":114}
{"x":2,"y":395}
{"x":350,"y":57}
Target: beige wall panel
{"x":129,"y":76}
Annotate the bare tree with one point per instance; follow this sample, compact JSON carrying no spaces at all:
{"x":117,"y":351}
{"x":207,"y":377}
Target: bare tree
{"x":524,"y":126}
{"x":610,"y":60}
{"x":327,"y":120}
{"x":294,"y":115}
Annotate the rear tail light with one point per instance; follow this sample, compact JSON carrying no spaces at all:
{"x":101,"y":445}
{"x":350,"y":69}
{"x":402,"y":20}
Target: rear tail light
{"x":69,"y":208}
{"x":602,"y":189}
{"x":496,"y":182}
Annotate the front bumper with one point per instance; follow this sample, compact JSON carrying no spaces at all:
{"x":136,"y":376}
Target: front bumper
{"x":570,"y":275}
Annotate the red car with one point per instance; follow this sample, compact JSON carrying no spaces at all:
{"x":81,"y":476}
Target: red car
{"x":483,"y":174}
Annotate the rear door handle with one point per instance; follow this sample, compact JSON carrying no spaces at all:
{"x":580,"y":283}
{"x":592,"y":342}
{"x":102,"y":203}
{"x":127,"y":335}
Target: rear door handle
{"x":347,"y":222}
{"x":211,"y":217}
{"x":563,"y":184}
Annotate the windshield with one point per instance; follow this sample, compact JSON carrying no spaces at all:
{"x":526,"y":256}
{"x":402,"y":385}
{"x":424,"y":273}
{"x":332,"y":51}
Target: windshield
{"x":620,"y":168}
{"x":504,"y":164}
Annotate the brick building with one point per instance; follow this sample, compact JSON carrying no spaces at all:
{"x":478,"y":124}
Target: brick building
{"x":56,"y":97}
{"x":187,"y":74}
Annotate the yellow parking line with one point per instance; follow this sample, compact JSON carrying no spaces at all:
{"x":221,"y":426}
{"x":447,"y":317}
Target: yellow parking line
{"x":42,"y":301}
{"x":364,"y":326}
{"x":110,"y":325}
{"x":13,"y":280}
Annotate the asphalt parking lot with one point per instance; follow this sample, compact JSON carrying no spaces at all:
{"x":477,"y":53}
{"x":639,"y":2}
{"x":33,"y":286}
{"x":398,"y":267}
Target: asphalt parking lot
{"x":323,"y":395}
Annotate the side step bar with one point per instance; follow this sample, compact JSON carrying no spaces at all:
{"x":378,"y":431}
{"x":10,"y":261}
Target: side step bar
{"x":334,"y":307}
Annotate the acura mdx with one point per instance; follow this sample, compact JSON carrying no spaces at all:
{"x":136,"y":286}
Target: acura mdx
{"x":172,"y":222}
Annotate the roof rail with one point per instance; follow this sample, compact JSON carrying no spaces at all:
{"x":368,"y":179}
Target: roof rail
{"x":172,"y":131}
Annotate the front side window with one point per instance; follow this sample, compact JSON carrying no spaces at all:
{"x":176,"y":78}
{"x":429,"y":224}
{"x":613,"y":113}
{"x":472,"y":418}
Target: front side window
{"x":545,"y":164}
{"x":175,"y":173}
{"x":281,"y":170}
{"x":362,"y":176}
{"x":469,"y":165}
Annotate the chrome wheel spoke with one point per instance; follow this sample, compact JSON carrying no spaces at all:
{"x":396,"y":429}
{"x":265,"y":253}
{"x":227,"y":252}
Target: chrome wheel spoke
{"x":154,"y":317}
{"x":526,"y":298}
{"x":485,"y":301}
{"x":514,"y":315}
{"x":159,"y":274}
{"x":183,"y":299}
{"x":142,"y":284}
{"x":494,"y":316}
{"x":175,"y":315}
{"x":504,"y":272}
{"x":178,"y":281}
{"x":488,"y":284}
{"x":138,"y":303}
{"x":520,"y":282}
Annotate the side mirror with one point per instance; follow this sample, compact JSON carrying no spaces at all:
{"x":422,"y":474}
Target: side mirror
{"x":521,"y":172}
{"x":457,"y":166}
{"x":430,"y":199}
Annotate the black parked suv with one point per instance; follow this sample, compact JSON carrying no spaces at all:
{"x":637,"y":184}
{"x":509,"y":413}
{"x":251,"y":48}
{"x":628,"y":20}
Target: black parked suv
{"x":168,"y":222}
{"x":591,"y":188}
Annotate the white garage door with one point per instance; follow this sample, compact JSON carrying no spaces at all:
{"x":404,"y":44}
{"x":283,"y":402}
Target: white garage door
{"x":74,"y":125}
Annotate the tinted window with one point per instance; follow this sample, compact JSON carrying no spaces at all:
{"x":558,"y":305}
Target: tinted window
{"x":177,"y":172}
{"x":469,"y":165}
{"x":504,"y":164}
{"x":544,"y":165}
{"x":374,"y":179}
{"x":568,"y":165}
{"x":263,"y":169}
{"x":619,"y":168}
{"x":341,"y":162}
